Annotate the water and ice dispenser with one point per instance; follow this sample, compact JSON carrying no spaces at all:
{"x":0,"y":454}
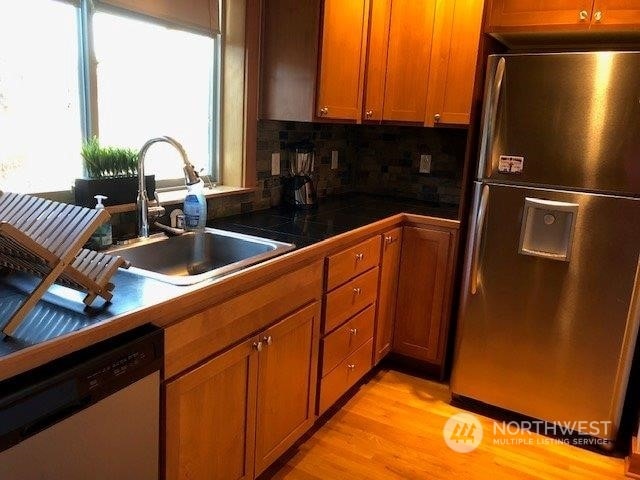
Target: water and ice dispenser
{"x":547,"y":229}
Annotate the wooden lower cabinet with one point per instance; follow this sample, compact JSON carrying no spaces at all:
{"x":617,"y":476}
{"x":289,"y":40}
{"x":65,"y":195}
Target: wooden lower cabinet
{"x":233,"y":416}
{"x":287,"y":369}
{"x":424,"y":287}
{"x":210,"y":418}
{"x":387,"y":292}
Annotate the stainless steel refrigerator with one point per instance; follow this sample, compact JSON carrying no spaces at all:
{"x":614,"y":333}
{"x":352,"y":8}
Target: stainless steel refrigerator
{"x":550,"y":303}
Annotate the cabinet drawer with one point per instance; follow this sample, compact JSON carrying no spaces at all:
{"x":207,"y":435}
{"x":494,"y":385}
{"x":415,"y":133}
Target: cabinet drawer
{"x":345,"y":375}
{"x":349,"y":299}
{"x":339,"y":344}
{"x":345,"y":265}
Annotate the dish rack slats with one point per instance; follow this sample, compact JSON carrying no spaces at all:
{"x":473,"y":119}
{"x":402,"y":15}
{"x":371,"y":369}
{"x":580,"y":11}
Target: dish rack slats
{"x":45,"y":238}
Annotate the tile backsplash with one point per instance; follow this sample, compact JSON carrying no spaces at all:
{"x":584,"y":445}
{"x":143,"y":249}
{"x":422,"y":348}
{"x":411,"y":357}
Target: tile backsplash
{"x":378,"y":159}
{"x":372,"y":159}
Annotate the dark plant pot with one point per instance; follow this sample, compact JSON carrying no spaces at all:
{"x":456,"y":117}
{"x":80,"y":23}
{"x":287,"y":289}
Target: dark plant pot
{"x":117,"y":190}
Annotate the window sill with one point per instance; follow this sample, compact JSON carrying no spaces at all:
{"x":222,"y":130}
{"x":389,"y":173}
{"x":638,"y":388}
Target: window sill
{"x":173,"y":197}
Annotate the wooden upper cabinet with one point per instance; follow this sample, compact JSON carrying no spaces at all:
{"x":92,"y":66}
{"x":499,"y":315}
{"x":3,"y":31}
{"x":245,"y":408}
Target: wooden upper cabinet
{"x":456,"y":39}
{"x":290,"y":32}
{"x":287,"y":375}
{"x":615,"y":14}
{"x":342,"y":58}
{"x":507,"y":15}
{"x":387,"y":292}
{"x":377,"y":59}
{"x":423,"y":293}
{"x":408,"y":59}
{"x":210,"y":418}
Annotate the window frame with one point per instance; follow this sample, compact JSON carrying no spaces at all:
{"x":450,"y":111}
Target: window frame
{"x":89,"y":110}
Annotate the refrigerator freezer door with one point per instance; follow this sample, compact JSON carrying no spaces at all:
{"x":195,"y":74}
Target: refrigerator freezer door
{"x":550,"y":339}
{"x":565,"y":119}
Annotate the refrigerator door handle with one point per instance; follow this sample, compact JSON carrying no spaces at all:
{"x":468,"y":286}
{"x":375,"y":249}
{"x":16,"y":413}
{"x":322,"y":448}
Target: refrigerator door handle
{"x":489,"y":120}
{"x":477,"y":239}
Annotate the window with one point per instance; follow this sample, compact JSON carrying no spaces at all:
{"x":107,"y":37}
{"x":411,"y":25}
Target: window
{"x":150,"y":80}
{"x":40,"y":123}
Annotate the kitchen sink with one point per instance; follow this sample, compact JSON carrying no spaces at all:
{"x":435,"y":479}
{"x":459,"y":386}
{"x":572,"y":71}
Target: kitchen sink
{"x":194,"y":257}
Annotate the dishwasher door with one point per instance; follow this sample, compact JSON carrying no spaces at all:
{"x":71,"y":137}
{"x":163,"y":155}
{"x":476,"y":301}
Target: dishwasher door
{"x":93,"y":414}
{"x":113,"y":439}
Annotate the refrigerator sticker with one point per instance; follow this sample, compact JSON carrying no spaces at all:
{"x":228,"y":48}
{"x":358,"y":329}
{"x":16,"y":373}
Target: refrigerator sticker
{"x":510,"y":164}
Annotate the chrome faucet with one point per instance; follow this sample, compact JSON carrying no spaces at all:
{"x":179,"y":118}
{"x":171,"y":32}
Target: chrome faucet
{"x":144,"y":210}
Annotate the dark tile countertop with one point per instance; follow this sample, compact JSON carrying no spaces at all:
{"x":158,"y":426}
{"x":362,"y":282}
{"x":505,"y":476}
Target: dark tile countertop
{"x":332,"y":217}
{"x":61,"y":311}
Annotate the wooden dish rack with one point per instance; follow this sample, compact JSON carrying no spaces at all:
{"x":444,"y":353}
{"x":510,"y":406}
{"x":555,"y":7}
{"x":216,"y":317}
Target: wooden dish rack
{"x":45,"y":238}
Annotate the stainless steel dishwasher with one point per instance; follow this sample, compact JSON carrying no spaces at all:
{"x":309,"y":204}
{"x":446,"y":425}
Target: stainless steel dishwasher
{"x":92,"y":414}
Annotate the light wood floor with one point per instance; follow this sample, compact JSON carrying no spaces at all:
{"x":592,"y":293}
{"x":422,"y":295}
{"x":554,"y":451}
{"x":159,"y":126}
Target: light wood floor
{"x":392,"y":429}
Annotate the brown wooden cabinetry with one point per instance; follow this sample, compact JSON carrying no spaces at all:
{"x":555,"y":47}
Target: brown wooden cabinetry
{"x":341,"y":77}
{"x":424,"y":287}
{"x":286,"y":384}
{"x":233,"y":416}
{"x":456,"y":38}
{"x":398,"y":60}
{"x":289,"y":45}
{"x":562,"y":15}
{"x":349,"y":317}
{"x":210,"y":418}
{"x":615,"y":14}
{"x":387,"y":292}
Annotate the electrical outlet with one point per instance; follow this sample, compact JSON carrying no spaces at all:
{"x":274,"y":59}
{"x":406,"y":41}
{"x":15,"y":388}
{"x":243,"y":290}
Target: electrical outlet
{"x":275,"y":163}
{"x":425,"y":163}
{"x":334,"y":159}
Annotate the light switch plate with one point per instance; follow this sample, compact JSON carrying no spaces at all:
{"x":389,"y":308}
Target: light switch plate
{"x":275,"y":163}
{"x":334,"y":159}
{"x":425,"y":163}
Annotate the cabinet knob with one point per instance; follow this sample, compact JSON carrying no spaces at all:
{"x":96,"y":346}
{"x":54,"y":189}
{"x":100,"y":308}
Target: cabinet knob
{"x":583,"y":15}
{"x":257,"y":346}
{"x":597,"y":16}
{"x":357,"y":290}
{"x":268,"y":340}
{"x":359,"y":256}
{"x":353,"y":331}
{"x":324,"y":111}
{"x":351,"y":366}
{"x":436,"y":117}
{"x":389,"y":240}
{"x":368,"y":113}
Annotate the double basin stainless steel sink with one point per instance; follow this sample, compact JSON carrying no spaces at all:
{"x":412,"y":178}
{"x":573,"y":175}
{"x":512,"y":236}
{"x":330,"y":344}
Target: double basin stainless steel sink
{"x":194,"y":257}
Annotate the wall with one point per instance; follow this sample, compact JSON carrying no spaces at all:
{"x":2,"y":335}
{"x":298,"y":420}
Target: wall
{"x":378,"y":159}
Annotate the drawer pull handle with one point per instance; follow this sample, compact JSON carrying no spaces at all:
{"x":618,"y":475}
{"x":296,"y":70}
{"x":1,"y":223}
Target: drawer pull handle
{"x":357,"y":290}
{"x":268,"y":340}
{"x":359,"y":256}
{"x":351,"y":366}
{"x":353,"y":331}
{"x":257,"y":346}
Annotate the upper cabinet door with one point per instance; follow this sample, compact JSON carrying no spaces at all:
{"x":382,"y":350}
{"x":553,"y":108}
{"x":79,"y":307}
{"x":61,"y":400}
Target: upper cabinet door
{"x":377,"y":59}
{"x":564,"y":14}
{"x":453,"y":61}
{"x":615,"y":14}
{"x":408,"y":57}
{"x":342,"y":55}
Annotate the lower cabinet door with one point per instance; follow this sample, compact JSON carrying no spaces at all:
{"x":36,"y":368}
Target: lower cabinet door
{"x":210,"y":418}
{"x":287,"y":374}
{"x":424,"y":281}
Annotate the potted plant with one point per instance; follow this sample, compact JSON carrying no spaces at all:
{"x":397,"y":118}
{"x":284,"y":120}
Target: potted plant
{"x":111,"y":171}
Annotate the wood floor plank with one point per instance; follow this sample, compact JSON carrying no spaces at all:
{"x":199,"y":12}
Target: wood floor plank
{"x":392,"y":429}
